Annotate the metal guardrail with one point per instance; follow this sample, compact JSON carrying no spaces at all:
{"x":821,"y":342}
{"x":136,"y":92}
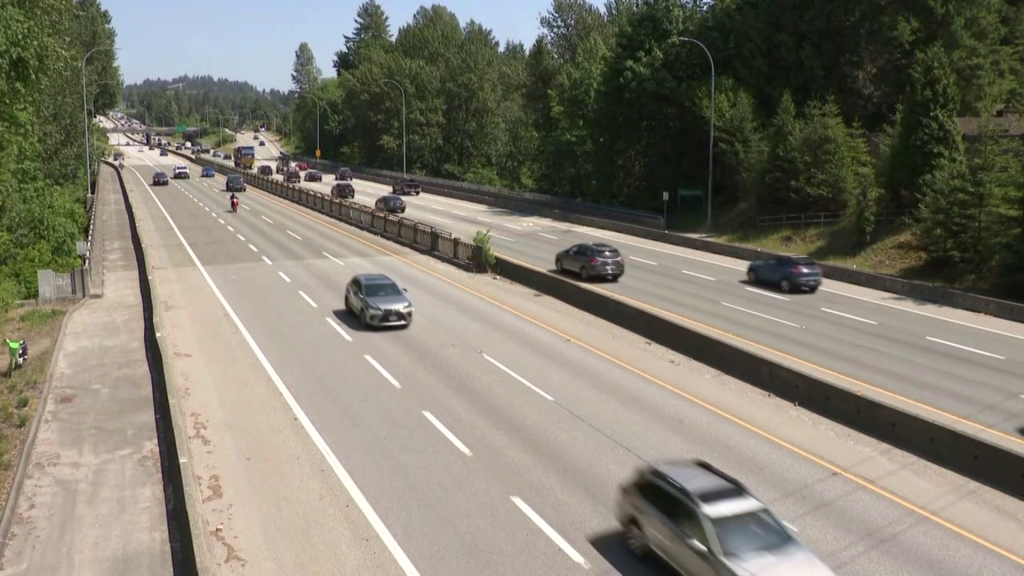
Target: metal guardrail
{"x":428,"y":238}
{"x":824,"y":218}
{"x":582,"y":207}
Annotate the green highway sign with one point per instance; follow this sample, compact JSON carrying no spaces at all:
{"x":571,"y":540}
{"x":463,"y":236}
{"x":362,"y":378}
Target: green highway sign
{"x":691,"y":192}
{"x":180,"y":128}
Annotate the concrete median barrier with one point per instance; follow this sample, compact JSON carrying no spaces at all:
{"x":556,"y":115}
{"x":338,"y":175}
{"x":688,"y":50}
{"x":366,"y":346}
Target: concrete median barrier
{"x":962,"y":453}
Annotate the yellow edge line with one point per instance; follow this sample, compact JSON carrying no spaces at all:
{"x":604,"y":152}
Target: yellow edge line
{"x":794,"y":359}
{"x":821,"y":462}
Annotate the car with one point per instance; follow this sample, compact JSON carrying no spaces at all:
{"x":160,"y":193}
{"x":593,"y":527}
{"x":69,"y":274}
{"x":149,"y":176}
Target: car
{"x":160,"y":179}
{"x":255,"y":136}
{"x":314,"y":176}
{"x":181,"y":171}
{"x":391,"y":204}
{"x":377,"y":301}
{"x":265,"y":170}
{"x":343,"y":190}
{"x":591,"y":260}
{"x":151,"y":147}
{"x":118,"y":156}
{"x":235,"y":183}
{"x":292,"y":176}
{"x":406,"y":186}
{"x":702,"y":521}
{"x":343,"y":174}
{"x":141,"y":149}
{"x":262,"y":143}
{"x":787,"y":272}
{"x":217,"y":154}
{"x":177,"y":147}
{"x":208,"y":172}
{"x":302,"y":166}
{"x":163,"y":152}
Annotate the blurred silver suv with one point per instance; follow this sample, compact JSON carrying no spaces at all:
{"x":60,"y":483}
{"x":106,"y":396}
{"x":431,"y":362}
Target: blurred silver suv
{"x":705,"y":523}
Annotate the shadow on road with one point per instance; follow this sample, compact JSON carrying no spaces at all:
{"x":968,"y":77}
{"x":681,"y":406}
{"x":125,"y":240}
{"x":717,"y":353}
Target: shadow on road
{"x":612,"y":547}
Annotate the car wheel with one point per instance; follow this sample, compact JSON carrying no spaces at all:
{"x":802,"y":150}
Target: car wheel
{"x":417,"y":193}
{"x":558,"y":264}
{"x":752,"y":276}
{"x":785,"y":286}
{"x":584,"y":275}
{"x":348,"y":308}
{"x":636,"y":540}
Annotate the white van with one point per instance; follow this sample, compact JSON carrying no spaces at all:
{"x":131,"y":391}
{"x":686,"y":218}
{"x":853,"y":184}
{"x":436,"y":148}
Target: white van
{"x":188,"y":145}
{"x":181,"y":171}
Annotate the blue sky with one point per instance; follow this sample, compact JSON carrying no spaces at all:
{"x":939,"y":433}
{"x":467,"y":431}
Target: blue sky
{"x":255,"y":40}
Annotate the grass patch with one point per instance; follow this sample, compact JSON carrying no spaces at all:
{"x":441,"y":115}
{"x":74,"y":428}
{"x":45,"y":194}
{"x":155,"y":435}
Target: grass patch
{"x":20,"y":393}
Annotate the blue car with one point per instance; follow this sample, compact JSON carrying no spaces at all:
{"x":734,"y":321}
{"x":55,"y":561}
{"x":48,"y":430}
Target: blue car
{"x":208,"y":172}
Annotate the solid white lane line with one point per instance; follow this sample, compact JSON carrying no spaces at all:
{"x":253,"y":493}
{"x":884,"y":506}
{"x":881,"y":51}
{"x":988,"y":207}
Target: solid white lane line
{"x":912,"y":311}
{"x":548,"y":236}
{"x":253,"y":248}
{"x":642,"y":260}
{"x":502,"y":237}
{"x":511,"y":226}
{"x":761,"y":315}
{"x":763,"y":293}
{"x":850,"y":316}
{"x":267,"y":219}
{"x":267,"y":260}
{"x":459,"y":213}
{"x":447,"y":434}
{"x":230,"y":228}
{"x":962,"y":347}
{"x":517,"y":376}
{"x":346,"y":479}
{"x":307,"y":298}
{"x":333,"y":258}
{"x":382,"y":371}
{"x":698,"y":275}
{"x":339,"y":329}
{"x":282,"y":275}
{"x":219,"y":220}
{"x":483,"y":219}
{"x":550,"y":532}
{"x":240,"y":237}
{"x":296,"y":236}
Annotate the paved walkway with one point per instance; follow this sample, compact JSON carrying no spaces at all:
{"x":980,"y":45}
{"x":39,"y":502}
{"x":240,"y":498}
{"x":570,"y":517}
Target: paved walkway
{"x":92,"y":501}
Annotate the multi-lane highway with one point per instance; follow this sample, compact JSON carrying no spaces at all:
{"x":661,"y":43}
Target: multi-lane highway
{"x":491,"y":436}
{"x":949,"y":360}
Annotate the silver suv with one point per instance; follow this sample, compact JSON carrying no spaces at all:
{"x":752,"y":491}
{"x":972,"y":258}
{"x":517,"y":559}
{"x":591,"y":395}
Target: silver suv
{"x":705,"y":523}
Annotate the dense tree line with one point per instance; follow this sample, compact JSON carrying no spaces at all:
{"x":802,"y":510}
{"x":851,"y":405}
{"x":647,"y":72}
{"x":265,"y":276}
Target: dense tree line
{"x":42,"y":150}
{"x":204,"y":101}
{"x":844,"y":106}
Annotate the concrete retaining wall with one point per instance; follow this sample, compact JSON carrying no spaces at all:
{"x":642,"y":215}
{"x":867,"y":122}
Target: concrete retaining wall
{"x":967,"y":455}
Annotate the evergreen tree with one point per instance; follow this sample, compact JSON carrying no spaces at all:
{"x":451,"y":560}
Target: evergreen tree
{"x":305,"y":73}
{"x":372,"y":31}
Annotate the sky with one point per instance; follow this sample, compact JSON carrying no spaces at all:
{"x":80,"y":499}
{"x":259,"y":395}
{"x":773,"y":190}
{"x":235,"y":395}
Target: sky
{"x":255,"y":40}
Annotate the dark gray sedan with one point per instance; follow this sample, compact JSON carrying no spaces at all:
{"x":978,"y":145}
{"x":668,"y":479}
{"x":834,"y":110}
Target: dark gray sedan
{"x":592,"y":261}
{"x":787,"y":272}
{"x":343,"y":191}
{"x":390,"y":204}
{"x":377,"y":301}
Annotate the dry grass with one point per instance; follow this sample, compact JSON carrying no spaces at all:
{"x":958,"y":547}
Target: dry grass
{"x":20,"y":393}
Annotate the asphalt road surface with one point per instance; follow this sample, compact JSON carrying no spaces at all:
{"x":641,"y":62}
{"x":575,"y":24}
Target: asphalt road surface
{"x":486,"y":442}
{"x":940,"y":359}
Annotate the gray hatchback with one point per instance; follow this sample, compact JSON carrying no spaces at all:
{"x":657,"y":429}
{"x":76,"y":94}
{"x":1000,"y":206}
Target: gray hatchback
{"x":787,"y":272}
{"x":377,"y":301}
{"x":705,"y":523}
{"x":591,"y":260}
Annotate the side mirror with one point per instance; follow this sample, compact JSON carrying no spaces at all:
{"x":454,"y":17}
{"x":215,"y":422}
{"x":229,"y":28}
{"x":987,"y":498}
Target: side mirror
{"x":405,"y":290}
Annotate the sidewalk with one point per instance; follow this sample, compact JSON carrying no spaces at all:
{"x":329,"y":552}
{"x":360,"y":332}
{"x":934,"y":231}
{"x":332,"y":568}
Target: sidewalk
{"x":92,"y":502}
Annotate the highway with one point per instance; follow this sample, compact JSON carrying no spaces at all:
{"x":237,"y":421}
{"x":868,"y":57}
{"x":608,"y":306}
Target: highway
{"x":960,"y":363}
{"x":487,"y":442}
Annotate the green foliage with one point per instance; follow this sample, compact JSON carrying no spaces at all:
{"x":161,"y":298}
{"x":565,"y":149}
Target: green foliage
{"x":42,"y":176}
{"x":483,"y":239}
{"x":22,"y":419}
{"x":305,"y":73}
{"x":21,"y":402}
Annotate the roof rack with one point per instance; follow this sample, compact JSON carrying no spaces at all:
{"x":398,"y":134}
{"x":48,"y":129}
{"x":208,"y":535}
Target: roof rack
{"x":717,"y":472}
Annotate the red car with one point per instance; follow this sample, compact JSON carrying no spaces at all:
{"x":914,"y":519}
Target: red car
{"x":302,"y":166}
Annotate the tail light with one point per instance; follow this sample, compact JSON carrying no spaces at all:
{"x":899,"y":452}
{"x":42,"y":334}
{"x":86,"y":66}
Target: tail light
{"x":594,"y":260}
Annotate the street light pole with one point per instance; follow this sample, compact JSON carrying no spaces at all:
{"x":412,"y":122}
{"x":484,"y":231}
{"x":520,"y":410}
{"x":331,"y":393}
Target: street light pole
{"x":711,"y":132}
{"x":317,"y":123}
{"x":85,"y":112}
{"x":404,"y":173}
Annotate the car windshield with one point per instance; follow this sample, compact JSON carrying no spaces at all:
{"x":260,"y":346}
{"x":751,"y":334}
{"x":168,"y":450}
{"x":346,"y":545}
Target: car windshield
{"x":607,"y":253}
{"x":381,"y":289}
{"x":160,"y":175}
{"x":235,"y":178}
{"x":804,"y":262}
{"x":749,"y":533}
